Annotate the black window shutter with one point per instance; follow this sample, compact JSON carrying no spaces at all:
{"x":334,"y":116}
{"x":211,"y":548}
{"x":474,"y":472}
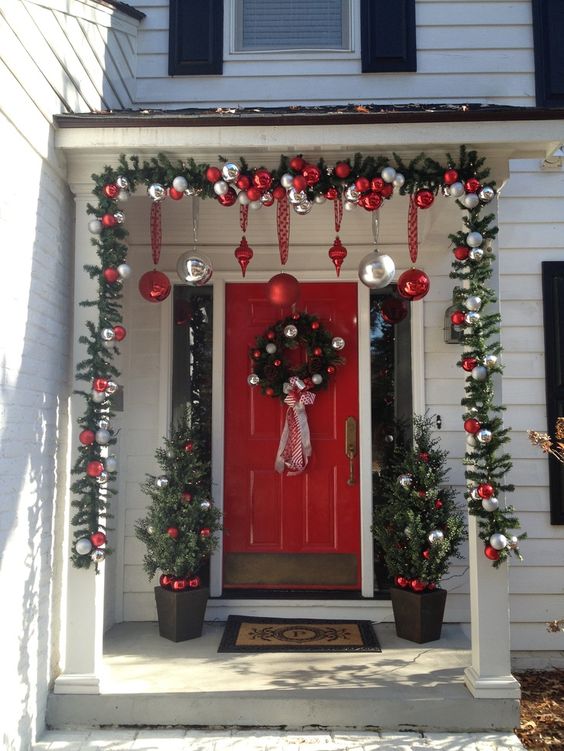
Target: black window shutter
{"x":387,"y":29}
{"x":553,"y":302}
{"x":195,"y":37}
{"x":548,"y":30}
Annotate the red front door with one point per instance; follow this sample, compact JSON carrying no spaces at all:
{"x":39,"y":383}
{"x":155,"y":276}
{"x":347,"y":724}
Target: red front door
{"x":298,"y":532}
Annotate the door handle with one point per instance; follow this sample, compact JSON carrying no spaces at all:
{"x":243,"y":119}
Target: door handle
{"x":350,"y":446}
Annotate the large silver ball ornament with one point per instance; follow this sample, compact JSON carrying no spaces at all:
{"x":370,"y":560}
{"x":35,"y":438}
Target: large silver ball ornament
{"x":490,"y":361}
{"x":253,"y":379}
{"x":286,"y":180}
{"x":95,"y":226}
{"x":490,"y":504}
{"x":162,"y":481}
{"x":376,"y":270}
{"x":471,"y":318}
{"x":290,"y":331}
{"x":112,"y":387}
{"x":112,"y":463}
{"x":194,"y":267}
{"x":388,"y":174}
{"x":399,"y":180}
{"x":405,"y":481}
{"x":230,"y":172}
{"x":317,"y":379}
{"x":337,"y":342}
{"x":220,"y":188}
{"x":267,"y":199}
{"x":498,"y":541}
{"x":107,"y":335}
{"x":103,"y":477}
{"x":103,"y":437}
{"x":103,"y":423}
{"x":122,"y":182}
{"x":456,"y":190}
{"x":476,"y":254}
{"x":180,"y":183}
{"x":296,"y":196}
{"x":98,"y":555}
{"x":303,"y":208}
{"x":124,"y":270}
{"x":205,"y":505}
{"x":470,"y":200}
{"x":352,"y":194}
{"x":484,"y":436}
{"x":83,"y":546}
{"x":157,"y":192}
{"x":271,"y":348}
{"x":473,"y":302}
{"x":435,"y":536}
{"x":486,"y":194}
{"x":479,"y":373}
{"x":474,"y":239}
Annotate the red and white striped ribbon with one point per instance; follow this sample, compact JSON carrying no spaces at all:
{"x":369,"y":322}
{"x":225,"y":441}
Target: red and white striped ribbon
{"x":294,"y":449}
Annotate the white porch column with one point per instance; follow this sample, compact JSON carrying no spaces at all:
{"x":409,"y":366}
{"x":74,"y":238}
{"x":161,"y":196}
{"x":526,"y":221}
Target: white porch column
{"x":82,"y":619}
{"x":489,"y":676}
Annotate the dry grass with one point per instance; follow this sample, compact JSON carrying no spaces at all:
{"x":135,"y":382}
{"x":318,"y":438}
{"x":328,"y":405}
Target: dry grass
{"x":542,"y":709}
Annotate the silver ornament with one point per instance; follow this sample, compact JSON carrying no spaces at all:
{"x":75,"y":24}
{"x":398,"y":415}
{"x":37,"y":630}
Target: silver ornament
{"x":337,"y":342}
{"x":388,"y":174}
{"x":255,"y":205}
{"x":470,"y":200}
{"x":405,"y":481}
{"x":107,"y":335}
{"x":479,"y":373}
{"x":498,"y":541}
{"x":271,"y":348}
{"x":303,"y":208}
{"x":290,"y":331}
{"x":296,"y":196}
{"x":205,"y":505}
{"x":513,"y":542}
{"x":98,"y":555}
{"x":230,"y":172}
{"x":98,"y":397}
{"x":474,"y":239}
{"x":484,"y":436}
{"x":319,"y":198}
{"x":111,"y":388}
{"x":150,"y":529}
{"x":399,"y":180}
{"x":267,"y":198}
{"x":473,"y":302}
{"x":119,"y":216}
{"x":83,"y":546}
{"x":194,"y":268}
{"x":180,"y":183}
{"x":476,"y":254}
{"x":286,"y":180}
{"x":112,"y":463}
{"x":486,"y":194}
{"x":157,"y":192}
{"x":456,"y":190}
{"x":95,"y":226}
{"x":389,"y":438}
{"x":103,"y":477}
{"x":435,"y":536}
{"x":122,"y":182}
{"x":103,"y":423}
{"x":243,"y":198}
{"x":170,"y":454}
{"x":124,"y":270}
{"x":317,"y":379}
{"x":471,"y":318}
{"x":220,"y":188}
{"x":352,"y":194}
{"x":490,"y":361}
{"x":253,"y":379}
{"x":376,"y":270}
{"x":103,"y":437}
{"x":475,"y":495}
{"x":490,"y":504}
{"x":162,"y":481}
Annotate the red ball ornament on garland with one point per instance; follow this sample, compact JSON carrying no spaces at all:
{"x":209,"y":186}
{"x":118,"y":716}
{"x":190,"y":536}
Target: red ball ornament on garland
{"x":377,"y":184}
{"x":173,"y":533}
{"x":253,"y":194}
{"x":312,"y":174}
{"x":461,"y":252}
{"x":243,"y":182}
{"x":228,"y":199}
{"x":417,"y":585}
{"x":188,"y":447}
{"x":401,"y":581}
{"x":180,"y":584}
{"x":98,"y":539}
{"x":413,"y":284}
{"x":472,"y":185}
{"x":299,"y":183}
{"x":314,"y":325}
{"x":471,"y":425}
{"x":262,"y":179}
{"x":424,"y":456}
{"x":371,"y":201}
{"x":87,"y":437}
{"x":119,"y":333}
{"x":283,"y":289}
{"x":491,"y":553}
{"x":269,"y":391}
{"x":213,"y":174}
{"x":297,"y":163}
{"x":94,"y":469}
{"x":279,"y":193}
{"x":330,"y":369}
{"x":109,"y":220}
{"x":165,"y":580}
{"x":186,"y":497}
{"x":387,"y":190}
{"x":111,"y":191}
{"x":176,"y":195}
{"x":393,"y":310}
{"x":362,"y":184}
{"x":205,"y":532}
{"x":424,"y":198}
{"x":195,"y":582}
{"x":331,"y":194}
{"x":426,"y":554}
{"x":469,"y":363}
{"x":438,"y":503}
{"x":457,"y":318}
{"x":485,"y":490}
{"x":100,"y":384}
{"x":450,"y":177}
{"x":342,"y":170}
{"x":154,"y":286}
{"x":111,"y":275}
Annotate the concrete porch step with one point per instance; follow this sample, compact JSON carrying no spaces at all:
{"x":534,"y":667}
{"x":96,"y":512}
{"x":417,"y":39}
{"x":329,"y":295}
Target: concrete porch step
{"x":149,"y":681}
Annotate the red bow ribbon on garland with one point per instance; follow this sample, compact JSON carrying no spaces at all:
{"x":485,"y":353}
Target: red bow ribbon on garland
{"x":294,"y":448}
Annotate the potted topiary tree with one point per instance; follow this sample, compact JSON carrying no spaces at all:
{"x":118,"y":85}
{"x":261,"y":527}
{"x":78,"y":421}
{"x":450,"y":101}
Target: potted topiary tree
{"x":418,"y":529}
{"x":180,"y":530}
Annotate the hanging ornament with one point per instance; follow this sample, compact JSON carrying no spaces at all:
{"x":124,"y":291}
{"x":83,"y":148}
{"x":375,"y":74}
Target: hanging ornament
{"x":338,"y":343}
{"x":393,"y":310}
{"x":342,"y":170}
{"x":154,"y":286}
{"x":471,"y":318}
{"x":470,"y":201}
{"x":337,"y":253}
{"x":243,"y":254}
{"x":103,"y":437}
{"x":490,"y":361}
{"x":450,"y":177}
{"x":473,"y":302}
{"x":194,"y":268}
{"x":476,"y":254}
{"x":376,"y":270}
{"x":424,"y":198}
{"x":283,"y":289}
{"x":205,"y":532}
{"x":413,"y":284}
{"x":388,"y":174}
{"x":474,"y":239}
{"x":253,"y":379}
{"x":180,"y":183}
{"x":469,"y":363}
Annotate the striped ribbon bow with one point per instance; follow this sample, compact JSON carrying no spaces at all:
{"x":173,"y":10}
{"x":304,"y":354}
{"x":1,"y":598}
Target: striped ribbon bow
{"x":294,"y":448}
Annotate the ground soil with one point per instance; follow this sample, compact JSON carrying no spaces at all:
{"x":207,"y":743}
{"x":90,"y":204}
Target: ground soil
{"x":542,"y":709}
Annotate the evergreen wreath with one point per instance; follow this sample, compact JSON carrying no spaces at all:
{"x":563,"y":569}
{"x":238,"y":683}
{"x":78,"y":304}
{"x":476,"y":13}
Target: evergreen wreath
{"x":274,"y":372}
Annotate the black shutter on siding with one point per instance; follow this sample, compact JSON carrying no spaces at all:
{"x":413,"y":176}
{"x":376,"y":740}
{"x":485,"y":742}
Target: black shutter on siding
{"x":387,"y":29}
{"x":553,"y":303}
{"x":195,"y":37}
{"x":548,"y":29}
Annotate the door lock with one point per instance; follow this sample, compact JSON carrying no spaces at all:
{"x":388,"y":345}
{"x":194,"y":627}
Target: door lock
{"x":350,"y":446}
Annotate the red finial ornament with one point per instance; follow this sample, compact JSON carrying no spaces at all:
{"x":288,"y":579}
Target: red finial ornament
{"x":337,"y":253}
{"x":243,"y":254}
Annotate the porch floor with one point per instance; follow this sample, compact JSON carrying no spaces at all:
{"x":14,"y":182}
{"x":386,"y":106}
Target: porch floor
{"x":150,"y":681}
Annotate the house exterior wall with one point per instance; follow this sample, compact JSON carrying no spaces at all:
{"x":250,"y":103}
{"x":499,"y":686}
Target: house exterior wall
{"x":478,"y":53}
{"x":41,"y":75}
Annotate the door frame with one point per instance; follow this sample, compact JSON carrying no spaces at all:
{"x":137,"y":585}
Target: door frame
{"x":218,"y":281}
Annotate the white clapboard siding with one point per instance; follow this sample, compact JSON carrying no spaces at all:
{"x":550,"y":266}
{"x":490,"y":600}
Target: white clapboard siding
{"x":484,"y":55}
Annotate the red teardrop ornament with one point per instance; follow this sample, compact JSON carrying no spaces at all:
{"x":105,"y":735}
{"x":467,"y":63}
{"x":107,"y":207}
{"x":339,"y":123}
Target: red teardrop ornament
{"x":337,"y":253}
{"x":243,"y":254}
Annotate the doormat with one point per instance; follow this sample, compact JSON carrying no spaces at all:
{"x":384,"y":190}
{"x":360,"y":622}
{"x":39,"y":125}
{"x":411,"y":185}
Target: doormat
{"x":247,"y":634}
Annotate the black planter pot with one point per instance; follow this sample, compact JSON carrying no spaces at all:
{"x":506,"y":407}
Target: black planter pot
{"x":418,"y":615}
{"x":181,"y":614}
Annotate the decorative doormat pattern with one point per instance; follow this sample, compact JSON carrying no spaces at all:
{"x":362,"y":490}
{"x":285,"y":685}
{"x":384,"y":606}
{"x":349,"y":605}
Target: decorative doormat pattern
{"x":247,"y":634}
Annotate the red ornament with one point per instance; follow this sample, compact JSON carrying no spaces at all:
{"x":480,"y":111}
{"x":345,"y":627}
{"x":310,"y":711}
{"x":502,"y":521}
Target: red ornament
{"x":267,"y":199}
{"x":269,"y":391}
{"x":461,"y":253}
{"x":94,"y":469}
{"x":317,"y":352}
{"x":188,"y":447}
{"x":413,"y":284}
{"x":491,"y":553}
{"x":417,"y":585}
{"x":111,"y":275}
{"x":228,"y":199}
{"x":426,"y":554}
{"x":277,"y":363}
{"x":472,"y":185}
{"x":279,"y":193}
{"x":438,"y":503}
{"x":100,"y":384}
{"x":296,"y":316}
{"x":283,"y":289}
{"x":253,"y":193}
{"x":314,"y":325}
{"x":195,"y":582}
{"x":424,"y":456}
{"x":271,"y":336}
{"x":469,"y":363}
{"x":387,"y":190}
{"x":331,"y":194}
{"x":371,"y":201}
{"x":180,"y":584}
{"x":457,"y":317}
{"x":256,"y":354}
{"x":362,"y":184}
{"x":393,"y":310}
{"x":377,"y":184}
{"x":243,"y":182}
{"x":186,"y":497}
{"x":98,"y":539}
{"x":243,"y":254}
{"x":173,"y":532}
{"x":111,"y":191}
{"x":176,"y":195}
{"x":299,"y":183}
{"x":401,"y":581}
{"x":154,"y":286}
{"x":119,"y":333}
{"x":330,"y":369}
{"x":213,"y":174}
{"x":337,"y":253}
{"x":485,"y":490}
{"x":262,"y":179}
{"x":424,"y":198}
{"x":109,"y":220}
{"x":87,"y":437}
{"x":205,"y":532}
{"x":450,"y":177}
{"x":312,"y":174}
{"x":342,"y":170}
{"x":422,"y":493}
{"x":297,"y":163}
{"x":165,"y":580}
{"x":471,"y":425}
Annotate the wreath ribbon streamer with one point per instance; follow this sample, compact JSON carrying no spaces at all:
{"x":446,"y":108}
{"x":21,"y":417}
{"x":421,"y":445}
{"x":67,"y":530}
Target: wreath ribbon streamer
{"x":294,"y":448}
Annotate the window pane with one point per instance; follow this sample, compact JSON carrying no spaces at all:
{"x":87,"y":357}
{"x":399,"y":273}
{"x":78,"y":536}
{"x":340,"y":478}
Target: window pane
{"x":292,"y":24}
